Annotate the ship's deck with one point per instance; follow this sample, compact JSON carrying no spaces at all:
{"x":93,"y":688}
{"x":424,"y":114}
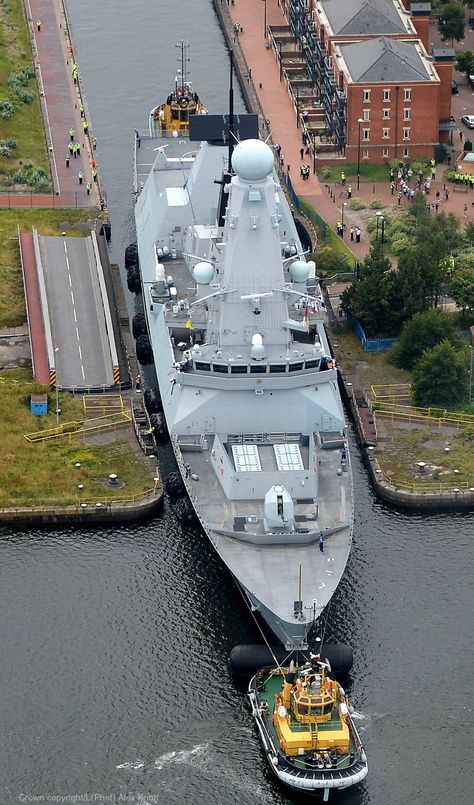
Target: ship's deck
{"x":332,"y":509}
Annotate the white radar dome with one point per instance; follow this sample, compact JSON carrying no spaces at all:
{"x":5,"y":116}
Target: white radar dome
{"x":203,"y":272}
{"x":252,"y":160}
{"x":299,"y":271}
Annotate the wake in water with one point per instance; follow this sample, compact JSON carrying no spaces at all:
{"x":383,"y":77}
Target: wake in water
{"x":181,"y":756}
{"x":131,"y":764}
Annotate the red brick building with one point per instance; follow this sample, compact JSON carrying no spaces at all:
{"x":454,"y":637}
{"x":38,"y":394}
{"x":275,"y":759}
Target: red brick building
{"x":380,"y":95}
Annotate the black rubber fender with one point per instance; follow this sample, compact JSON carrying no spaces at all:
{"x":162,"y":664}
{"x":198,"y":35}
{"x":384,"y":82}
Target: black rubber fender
{"x":152,"y":400}
{"x":175,"y":485}
{"x":246,"y":660}
{"x":143,"y":350}
{"x":131,"y":254}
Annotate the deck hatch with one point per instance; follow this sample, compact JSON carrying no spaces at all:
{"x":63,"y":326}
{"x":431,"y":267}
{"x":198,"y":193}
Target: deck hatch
{"x":288,"y":457}
{"x":246,"y":458}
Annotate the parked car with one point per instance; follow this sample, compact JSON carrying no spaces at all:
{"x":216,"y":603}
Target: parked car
{"x":471,"y":80}
{"x":454,"y":87}
{"x":468,"y":121}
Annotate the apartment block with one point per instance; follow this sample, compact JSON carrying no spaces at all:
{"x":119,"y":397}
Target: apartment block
{"x":379,"y":94}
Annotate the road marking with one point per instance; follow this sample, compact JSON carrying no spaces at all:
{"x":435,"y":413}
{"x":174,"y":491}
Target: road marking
{"x":77,"y":333}
{"x":70,"y":280}
{"x":72,"y":297}
{"x":80,"y":352}
{"x":75,"y":317}
{"x":83,"y":375}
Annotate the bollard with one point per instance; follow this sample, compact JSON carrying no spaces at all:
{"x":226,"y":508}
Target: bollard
{"x":112,"y":479}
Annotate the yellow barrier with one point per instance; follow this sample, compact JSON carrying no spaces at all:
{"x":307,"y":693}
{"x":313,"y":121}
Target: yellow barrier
{"x":52,"y":505}
{"x":391,"y":391}
{"x":428,"y":487}
{"x":112,"y":403}
{"x":428,"y":416}
{"x":81,"y":429}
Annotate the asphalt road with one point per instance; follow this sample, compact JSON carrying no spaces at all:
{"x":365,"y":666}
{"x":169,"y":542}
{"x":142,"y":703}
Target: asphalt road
{"x":76,"y":313}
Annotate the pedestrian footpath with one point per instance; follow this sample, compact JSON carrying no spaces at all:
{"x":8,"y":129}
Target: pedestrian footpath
{"x":61,"y":99}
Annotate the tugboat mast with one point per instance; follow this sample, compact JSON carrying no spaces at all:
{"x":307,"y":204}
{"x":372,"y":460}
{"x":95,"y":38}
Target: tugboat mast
{"x":183,"y":45}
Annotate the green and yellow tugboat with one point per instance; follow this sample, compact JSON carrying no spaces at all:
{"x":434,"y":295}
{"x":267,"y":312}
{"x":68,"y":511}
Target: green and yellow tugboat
{"x":306,"y":728}
{"x":171,"y":119}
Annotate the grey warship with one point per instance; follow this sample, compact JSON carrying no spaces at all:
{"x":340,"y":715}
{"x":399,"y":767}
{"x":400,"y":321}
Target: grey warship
{"x":248,"y":387}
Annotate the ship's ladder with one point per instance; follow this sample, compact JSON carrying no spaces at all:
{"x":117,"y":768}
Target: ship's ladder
{"x":314,"y":736}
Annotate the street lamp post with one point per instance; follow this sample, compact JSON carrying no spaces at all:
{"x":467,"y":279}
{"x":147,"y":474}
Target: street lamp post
{"x":313,"y":134}
{"x":470,"y":376}
{"x":58,"y":410}
{"x":343,"y":205}
{"x":360,"y":120}
{"x":380,"y":219}
{"x":264,"y":19}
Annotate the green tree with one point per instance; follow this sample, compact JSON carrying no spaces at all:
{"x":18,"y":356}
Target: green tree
{"x":465,"y":62}
{"x":451,"y":21}
{"x":440,"y":377}
{"x":423,"y":331}
{"x":435,"y":239}
{"x":411,"y":285}
{"x":370,"y":300}
{"x":461,"y":289}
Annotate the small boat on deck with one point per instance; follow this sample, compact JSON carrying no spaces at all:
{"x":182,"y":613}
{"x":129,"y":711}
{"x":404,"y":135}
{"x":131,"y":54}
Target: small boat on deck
{"x":306,"y":728}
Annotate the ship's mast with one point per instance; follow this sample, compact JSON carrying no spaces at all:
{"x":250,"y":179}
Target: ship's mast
{"x":183,"y":45}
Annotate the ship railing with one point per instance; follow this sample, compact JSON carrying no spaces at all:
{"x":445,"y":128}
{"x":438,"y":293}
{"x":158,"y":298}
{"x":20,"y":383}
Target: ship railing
{"x":263,"y":438}
{"x":191,"y":493}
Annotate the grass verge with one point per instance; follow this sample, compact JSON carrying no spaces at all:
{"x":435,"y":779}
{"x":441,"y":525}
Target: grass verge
{"x":26,"y":124}
{"x":406,"y":446}
{"x":42,"y":474}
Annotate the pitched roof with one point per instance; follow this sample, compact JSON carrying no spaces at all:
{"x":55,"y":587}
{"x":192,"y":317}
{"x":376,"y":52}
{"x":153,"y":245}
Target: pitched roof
{"x":360,"y":17}
{"x":386,"y":60}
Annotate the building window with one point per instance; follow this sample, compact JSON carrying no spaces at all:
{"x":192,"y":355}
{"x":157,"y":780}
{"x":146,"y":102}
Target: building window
{"x":386,"y":95}
{"x":366,"y":115}
{"x":385,"y":153}
{"x":366,"y":95}
{"x":365,"y":153}
{"x":386,"y":134}
{"x":406,"y":152}
{"x":406,"y":134}
{"x":407,"y":114}
{"x":366,"y":134}
{"x":407,"y":94}
{"x":386,"y":114}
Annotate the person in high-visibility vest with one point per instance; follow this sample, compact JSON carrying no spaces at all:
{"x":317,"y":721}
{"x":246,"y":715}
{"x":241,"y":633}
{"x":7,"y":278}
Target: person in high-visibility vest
{"x":80,"y":176}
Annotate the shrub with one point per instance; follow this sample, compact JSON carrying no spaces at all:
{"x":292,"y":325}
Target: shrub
{"x":356,"y":204}
{"x":19,"y":177}
{"x":11,"y":142}
{"x":330,"y":262}
{"x":24,"y":96}
{"x":7,"y":109}
{"x":5,"y":150}
{"x":376,"y":204}
{"x":327,"y":173}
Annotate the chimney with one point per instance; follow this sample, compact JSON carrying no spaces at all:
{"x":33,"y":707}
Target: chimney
{"x":420,"y":14}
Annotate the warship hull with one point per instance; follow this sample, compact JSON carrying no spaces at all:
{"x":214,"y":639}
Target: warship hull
{"x":248,"y":390}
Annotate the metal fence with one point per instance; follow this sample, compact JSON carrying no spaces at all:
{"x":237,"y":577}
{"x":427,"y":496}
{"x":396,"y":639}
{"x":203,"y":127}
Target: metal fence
{"x":370,"y":344}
